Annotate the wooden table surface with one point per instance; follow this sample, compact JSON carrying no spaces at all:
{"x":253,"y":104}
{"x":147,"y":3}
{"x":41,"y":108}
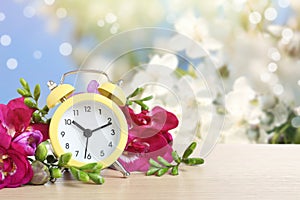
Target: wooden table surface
{"x":230,"y":172}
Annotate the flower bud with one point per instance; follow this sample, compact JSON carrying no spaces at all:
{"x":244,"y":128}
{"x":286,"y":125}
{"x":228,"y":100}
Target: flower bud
{"x":96,"y":178}
{"x":28,"y":102}
{"x":41,"y":174}
{"x":41,"y":152}
{"x":82,"y":176}
{"x":174,"y":171}
{"x":37,"y":92}
{"x":91,"y":167}
{"x":55,"y":173}
{"x":189,"y":150}
{"x":64,"y":159}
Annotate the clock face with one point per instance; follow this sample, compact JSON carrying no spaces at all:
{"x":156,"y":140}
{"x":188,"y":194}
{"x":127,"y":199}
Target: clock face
{"x":91,"y":129}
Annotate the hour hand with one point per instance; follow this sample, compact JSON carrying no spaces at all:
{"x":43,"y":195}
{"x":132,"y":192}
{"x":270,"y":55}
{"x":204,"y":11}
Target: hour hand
{"x":78,"y":125}
{"x":101,"y":127}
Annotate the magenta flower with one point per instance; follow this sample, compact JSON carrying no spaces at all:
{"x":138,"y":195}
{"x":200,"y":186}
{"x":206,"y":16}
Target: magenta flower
{"x":148,"y":137}
{"x":43,"y":128}
{"x":29,"y":141}
{"x":15,"y":116}
{"x":5,"y":139}
{"x":15,"y":119}
{"x":15,"y":170}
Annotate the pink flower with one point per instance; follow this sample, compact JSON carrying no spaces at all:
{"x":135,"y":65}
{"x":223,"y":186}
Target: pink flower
{"x":5,"y":139}
{"x":15,"y":123}
{"x":93,"y":87}
{"x":148,"y":137}
{"x":15,"y":116}
{"x":15,"y":170}
{"x":29,"y":141}
{"x":43,"y":128}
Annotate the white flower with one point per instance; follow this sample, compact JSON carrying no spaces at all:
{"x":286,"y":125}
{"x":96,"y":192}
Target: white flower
{"x":239,"y":101}
{"x":243,"y":112}
{"x":157,"y":72}
{"x":292,"y":45}
{"x":197,"y":30}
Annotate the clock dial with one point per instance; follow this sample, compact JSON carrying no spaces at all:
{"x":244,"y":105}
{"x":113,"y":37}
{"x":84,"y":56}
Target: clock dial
{"x":90,"y":130}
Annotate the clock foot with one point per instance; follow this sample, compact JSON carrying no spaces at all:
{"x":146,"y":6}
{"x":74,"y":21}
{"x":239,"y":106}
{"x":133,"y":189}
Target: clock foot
{"x":118,"y":166}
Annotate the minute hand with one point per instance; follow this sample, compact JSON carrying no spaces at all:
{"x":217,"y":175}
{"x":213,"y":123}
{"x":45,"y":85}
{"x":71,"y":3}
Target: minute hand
{"x":101,"y":127}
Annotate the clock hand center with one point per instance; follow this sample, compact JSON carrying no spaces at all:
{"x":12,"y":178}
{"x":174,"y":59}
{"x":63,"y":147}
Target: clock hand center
{"x":87,"y":133}
{"x":101,"y":127}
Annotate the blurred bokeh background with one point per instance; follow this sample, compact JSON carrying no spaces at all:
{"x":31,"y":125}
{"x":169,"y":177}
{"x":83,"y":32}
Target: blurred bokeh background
{"x":254,"y":45}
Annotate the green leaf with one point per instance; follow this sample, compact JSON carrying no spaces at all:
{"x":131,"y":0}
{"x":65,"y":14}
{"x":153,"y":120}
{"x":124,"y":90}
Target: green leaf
{"x":189,"y":150}
{"x":83,"y":176}
{"x":41,"y":152}
{"x":154,"y":163}
{"x":28,"y":102}
{"x":96,"y":178}
{"x":75,"y":172}
{"x":162,"y":171}
{"x":91,"y":167}
{"x":151,"y":171}
{"x":163,"y":161}
{"x":193,"y":161}
{"x":55,"y":173}
{"x":174,"y":170}
{"x":64,"y":159}
{"x":176,"y":157}
{"x":37,"y":92}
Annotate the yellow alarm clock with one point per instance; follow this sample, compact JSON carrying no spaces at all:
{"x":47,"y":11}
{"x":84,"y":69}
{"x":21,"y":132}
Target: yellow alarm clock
{"x":91,"y":126}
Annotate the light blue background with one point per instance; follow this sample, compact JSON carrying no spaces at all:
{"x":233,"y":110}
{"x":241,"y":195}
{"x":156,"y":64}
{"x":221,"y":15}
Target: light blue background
{"x":27,"y":36}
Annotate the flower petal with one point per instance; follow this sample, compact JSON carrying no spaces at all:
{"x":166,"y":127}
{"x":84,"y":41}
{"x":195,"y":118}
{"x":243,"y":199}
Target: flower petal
{"x":19,"y":103}
{"x":29,"y":141}
{"x":93,"y":87}
{"x":5,"y":138}
{"x":43,"y":128}
{"x":18,"y":118}
{"x":166,"y":120}
{"x":23,"y":172}
{"x":3,"y":112}
{"x":140,"y":162}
